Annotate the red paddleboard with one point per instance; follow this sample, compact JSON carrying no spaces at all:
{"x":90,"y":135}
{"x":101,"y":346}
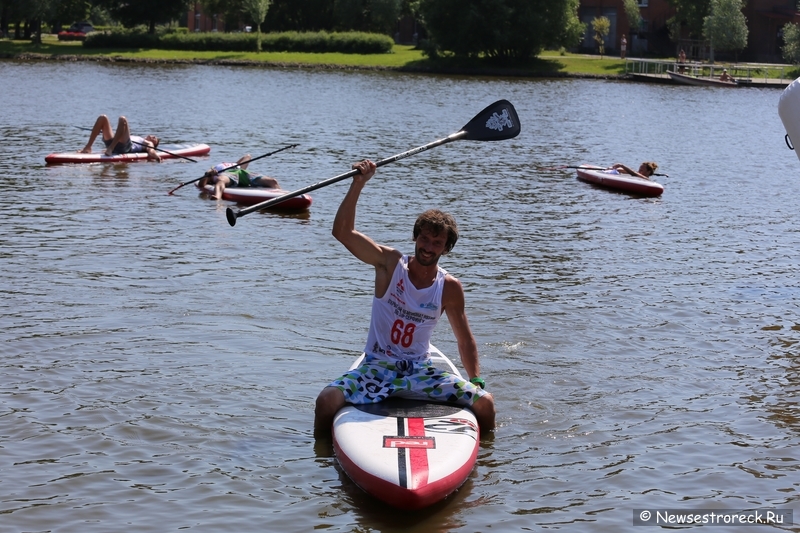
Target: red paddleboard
{"x":408,"y":453}
{"x":256,"y":195}
{"x":180,"y":150}
{"x":620,"y":182}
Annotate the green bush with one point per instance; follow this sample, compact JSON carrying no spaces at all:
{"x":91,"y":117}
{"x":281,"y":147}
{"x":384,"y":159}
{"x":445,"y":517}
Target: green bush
{"x":121,"y":39}
{"x":319,"y":42}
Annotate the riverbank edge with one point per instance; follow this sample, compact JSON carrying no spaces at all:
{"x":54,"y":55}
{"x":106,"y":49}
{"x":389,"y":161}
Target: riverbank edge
{"x":511,"y":73}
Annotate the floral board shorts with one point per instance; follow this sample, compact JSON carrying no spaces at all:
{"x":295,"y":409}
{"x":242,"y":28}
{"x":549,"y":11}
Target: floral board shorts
{"x":376,"y":380}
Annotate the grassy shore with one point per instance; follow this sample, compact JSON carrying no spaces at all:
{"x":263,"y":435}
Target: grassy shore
{"x":403,"y":57}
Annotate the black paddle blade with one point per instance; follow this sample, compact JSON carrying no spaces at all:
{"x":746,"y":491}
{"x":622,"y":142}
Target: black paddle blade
{"x":231,"y":216}
{"x":497,"y":122}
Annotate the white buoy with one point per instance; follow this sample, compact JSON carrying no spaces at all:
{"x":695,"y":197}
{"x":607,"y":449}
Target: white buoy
{"x":789,"y":111}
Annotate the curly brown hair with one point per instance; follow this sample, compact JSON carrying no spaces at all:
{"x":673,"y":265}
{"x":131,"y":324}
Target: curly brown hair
{"x":436,"y":222}
{"x":652,"y":166}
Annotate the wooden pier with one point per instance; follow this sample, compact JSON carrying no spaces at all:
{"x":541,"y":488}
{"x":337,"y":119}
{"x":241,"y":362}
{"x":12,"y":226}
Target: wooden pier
{"x":746,"y":75}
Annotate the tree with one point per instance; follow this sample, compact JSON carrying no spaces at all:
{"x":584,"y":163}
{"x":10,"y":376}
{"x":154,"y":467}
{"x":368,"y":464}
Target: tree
{"x":229,"y":11}
{"x":148,"y":12}
{"x":383,"y":16}
{"x":601,"y":27}
{"x":308,"y":15}
{"x":257,"y":9}
{"x":726,"y":26}
{"x":689,"y":14}
{"x":499,"y":29}
{"x":36,"y":11}
{"x":375,"y":16}
{"x":791,"y":43}
{"x":632,"y":13}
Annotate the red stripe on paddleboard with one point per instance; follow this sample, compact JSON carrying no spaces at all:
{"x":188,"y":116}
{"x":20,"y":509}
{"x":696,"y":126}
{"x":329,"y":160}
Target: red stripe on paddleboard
{"x":417,"y":457}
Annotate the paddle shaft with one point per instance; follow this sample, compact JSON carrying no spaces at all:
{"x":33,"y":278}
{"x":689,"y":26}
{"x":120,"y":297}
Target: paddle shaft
{"x":233,"y":215}
{"x":234,"y":166}
{"x":167,"y":152}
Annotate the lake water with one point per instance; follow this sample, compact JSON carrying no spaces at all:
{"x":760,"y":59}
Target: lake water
{"x":159,"y":367}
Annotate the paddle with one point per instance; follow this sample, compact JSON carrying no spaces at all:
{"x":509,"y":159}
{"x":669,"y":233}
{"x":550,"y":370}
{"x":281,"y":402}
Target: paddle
{"x":587,"y":167}
{"x":154,"y":148}
{"x":497,"y":122}
{"x":234,"y":166}
{"x":168,"y":152}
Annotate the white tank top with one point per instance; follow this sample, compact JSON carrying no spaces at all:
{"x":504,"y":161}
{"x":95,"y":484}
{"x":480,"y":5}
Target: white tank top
{"x":137,"y":144}
{"x":222,"y":166}
{"x":403,"y":320}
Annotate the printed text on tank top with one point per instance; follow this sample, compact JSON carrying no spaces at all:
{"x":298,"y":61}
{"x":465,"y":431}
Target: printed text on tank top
{"x":403,"y":319}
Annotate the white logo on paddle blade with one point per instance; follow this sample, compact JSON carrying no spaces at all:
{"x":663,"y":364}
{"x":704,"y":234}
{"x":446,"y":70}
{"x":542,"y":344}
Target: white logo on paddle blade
{"x":498,"y":122}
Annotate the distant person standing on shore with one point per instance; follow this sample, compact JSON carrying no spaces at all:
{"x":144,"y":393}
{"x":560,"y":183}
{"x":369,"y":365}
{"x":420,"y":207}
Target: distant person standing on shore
{"x":681,"y":60}
{"x":623,"y":46}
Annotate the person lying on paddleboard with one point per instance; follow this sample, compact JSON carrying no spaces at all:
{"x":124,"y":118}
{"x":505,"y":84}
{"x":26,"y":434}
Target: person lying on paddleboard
{"x":235,"y":175}
{"x":646,"y":169}
{"x":410,"y":295}
{"x":121,"y":142}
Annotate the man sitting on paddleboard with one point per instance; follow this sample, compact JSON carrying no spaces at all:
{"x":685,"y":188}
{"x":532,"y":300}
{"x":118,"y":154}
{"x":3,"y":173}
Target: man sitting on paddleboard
{"x":121,"y":142}
{"x":235,"y":175}
{"x":646,"y":169}
{"x":411,"y":293}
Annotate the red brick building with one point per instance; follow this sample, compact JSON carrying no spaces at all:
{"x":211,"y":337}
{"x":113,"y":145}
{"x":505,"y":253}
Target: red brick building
{"x":650,"y":37}
{"x":197,"y":20}
{"x":765,"y":18}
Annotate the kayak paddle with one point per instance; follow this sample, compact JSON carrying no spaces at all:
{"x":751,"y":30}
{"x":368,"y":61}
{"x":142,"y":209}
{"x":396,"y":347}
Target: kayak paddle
{"x":497,"y":122}
{"x":234,"y":166}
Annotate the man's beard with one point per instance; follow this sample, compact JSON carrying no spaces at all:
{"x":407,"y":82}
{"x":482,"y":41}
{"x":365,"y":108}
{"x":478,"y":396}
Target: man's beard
{"x":425,"y":262}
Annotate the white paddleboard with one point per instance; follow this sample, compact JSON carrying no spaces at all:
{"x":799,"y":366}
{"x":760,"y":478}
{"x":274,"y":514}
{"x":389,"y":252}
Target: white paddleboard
{"x":176,"y":150}
{"x":621,"y":182}
{"x":256,"y":195}
{"x":408,"y":453}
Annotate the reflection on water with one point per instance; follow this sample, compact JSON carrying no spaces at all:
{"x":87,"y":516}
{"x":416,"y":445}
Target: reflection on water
{"x":160,"y":366}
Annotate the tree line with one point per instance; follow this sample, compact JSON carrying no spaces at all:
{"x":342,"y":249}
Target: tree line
{"x":497,"y":29}
{"x":503,"y":30}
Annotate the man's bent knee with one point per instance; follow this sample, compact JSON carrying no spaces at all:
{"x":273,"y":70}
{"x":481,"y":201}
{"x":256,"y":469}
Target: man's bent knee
{"x":484,"y":411}
{"x":329,"y":401}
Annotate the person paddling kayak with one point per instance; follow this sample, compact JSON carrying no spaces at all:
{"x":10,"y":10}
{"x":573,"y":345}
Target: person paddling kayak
{"x":410,"y":295}
{"x":235,"y":175}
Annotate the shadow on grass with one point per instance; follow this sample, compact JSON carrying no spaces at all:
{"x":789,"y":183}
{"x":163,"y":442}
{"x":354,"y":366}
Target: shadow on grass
{"x":532,"y":67}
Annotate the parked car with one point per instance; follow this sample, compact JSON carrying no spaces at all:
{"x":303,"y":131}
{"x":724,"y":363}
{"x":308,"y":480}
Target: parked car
{"x":81,"y":27}
{"x":76,"y":32}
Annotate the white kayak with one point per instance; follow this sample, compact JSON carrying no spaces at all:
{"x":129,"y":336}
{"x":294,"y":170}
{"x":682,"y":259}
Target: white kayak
{"x":408,"y":453}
